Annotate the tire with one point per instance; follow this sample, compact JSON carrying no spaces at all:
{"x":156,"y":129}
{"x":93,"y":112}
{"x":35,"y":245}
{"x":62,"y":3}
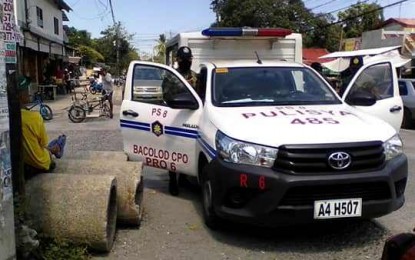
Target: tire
{"x":76,"y":114}
{"x":407,"y":119}
{"x":212,"y":221}
{"x":46,"y":112}
{"x":93,"y":91}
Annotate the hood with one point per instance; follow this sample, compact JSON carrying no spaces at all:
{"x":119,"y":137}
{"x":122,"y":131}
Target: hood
{"x":275,"y":126}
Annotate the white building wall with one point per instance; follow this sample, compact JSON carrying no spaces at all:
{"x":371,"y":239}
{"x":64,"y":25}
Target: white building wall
{"x":376,"y":39}
{"x":50,"y":10}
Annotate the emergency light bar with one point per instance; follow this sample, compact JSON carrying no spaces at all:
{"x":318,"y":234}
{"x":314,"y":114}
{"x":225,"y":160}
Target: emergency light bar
{"x":227,"y":31}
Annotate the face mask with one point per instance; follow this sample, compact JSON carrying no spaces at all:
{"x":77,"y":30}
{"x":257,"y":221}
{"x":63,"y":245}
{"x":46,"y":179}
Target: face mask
{"x":185,"y":65}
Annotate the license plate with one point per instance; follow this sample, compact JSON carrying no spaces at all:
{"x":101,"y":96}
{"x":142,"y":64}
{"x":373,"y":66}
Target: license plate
{"x":342,"y":208}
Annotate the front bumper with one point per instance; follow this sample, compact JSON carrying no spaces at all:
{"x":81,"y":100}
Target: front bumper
{"x":262,"y":196}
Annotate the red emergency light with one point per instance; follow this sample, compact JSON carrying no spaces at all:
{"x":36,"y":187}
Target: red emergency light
{"x":229,"y":31}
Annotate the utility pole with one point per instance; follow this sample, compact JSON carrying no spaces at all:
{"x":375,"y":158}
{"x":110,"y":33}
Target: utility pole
{"x":11,"y":173}
{"x":117,"y":37}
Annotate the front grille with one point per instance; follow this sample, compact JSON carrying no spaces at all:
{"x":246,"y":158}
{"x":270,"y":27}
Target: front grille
{"x":306,"y":195}
{"x":313,"y":159}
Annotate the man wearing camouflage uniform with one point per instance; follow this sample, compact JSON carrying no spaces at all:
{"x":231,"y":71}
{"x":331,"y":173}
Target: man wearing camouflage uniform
{"x":184,"y":59}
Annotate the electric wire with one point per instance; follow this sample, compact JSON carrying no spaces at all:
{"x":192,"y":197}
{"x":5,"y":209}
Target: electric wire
{"x":364,"y":13}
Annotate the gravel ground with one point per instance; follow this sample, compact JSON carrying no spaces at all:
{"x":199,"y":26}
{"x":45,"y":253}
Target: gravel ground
{"x":173,"y":229}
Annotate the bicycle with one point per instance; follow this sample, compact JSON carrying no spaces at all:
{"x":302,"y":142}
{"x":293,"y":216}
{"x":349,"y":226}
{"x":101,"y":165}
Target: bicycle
{"x":44,"y":110}
{"x":78,"y":111}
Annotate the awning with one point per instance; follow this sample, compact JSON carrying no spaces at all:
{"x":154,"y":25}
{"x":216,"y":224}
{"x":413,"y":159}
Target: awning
{"x":374,"y":51}
{"x":73,"y":59}
{"x":340,"y":64}
{"x":392,"y":56}
{"x":337,"y":65}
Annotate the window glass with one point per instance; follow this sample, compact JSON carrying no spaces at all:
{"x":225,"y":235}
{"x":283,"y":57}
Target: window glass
{"x":56,"y":25}
{"x":39,"y":16}
{"x":377,"y":80}
{"x":403,"y":91}
{"x":155,"y":85}
{"x":259,"y":86}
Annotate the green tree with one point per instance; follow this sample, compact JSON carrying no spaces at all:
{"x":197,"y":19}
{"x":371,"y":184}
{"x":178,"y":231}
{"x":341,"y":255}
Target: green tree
{"x":361,"y":17}
{"x":160,"y":49}
{"x":78,"y":37}
{"x":322,"y":33}
{"x":290,"y":14}
{"x":107,"y":45}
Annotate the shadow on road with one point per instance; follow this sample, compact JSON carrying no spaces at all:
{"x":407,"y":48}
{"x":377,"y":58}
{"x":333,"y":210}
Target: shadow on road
{"x":334,"y":236}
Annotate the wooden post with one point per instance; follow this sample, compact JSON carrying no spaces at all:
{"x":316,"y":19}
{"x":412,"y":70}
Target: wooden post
{"x":15,"y":130}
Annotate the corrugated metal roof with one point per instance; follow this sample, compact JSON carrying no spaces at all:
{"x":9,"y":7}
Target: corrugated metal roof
{"x":311,"y":55}
{"x":62,"y":5}
{"x":405,"y":22}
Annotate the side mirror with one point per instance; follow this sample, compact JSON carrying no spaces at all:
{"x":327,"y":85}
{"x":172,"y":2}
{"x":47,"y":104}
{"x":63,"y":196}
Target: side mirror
{"x":183,"y":101}
{"x":361,"y":98}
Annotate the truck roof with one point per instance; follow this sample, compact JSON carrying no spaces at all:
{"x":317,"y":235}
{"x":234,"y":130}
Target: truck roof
{"x":252,"y":63}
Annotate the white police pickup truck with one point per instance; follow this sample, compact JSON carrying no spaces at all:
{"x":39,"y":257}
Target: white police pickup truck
{"x":271,"y":143}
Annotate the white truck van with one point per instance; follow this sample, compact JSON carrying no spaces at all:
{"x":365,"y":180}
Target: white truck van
{"x":225,"y":45}
{"x":270,"y":142}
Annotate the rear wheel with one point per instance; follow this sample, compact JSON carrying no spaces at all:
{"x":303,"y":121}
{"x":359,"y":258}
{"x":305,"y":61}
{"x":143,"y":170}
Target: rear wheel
{"x":209,"y":215}
{"x":46,"y":112}
{"x":407,"y":119}
{"x":92,"y":90}
{"x":76,"y":114}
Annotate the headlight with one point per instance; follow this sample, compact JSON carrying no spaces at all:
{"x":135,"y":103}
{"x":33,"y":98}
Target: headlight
{"x":392,"y":147}
{"x":235,"y":151}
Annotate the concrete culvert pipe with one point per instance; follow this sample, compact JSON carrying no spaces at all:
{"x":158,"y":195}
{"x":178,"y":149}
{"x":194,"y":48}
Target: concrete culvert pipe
{"x":79,"y":208}
{"x":101,"y":155}
{"x":129,"y":183}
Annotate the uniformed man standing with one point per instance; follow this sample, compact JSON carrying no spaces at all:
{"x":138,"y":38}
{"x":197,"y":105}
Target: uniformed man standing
{"x":184,"y":59}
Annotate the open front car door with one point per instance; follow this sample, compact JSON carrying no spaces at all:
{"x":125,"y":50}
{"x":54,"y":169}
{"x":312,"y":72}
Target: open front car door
{"x":159,"y":118}
{"x":374,"y":90}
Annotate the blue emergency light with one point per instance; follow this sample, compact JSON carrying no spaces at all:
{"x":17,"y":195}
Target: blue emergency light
{"x":230,"y":31}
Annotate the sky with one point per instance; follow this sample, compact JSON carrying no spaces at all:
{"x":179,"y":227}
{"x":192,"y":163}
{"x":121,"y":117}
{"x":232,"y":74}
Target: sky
{"x":146,"y":19}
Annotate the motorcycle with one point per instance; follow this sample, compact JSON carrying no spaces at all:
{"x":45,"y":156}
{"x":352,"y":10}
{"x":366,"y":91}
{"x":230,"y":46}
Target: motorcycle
{"x":95,"y":87}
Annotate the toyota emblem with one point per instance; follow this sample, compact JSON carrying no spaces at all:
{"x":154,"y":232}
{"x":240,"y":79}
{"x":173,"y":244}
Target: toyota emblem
{"x":339,"y":160}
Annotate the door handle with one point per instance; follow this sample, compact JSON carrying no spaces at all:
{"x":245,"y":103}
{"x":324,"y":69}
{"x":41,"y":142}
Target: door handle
{"x":395,"y":109}
{"x":130,"y":113}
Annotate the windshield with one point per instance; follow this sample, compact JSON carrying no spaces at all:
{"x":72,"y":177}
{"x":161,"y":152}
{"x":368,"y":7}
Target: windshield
{"x":262,"y":86}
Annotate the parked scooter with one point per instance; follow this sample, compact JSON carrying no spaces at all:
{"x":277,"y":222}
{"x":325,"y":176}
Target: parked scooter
{"x":94,"y":86}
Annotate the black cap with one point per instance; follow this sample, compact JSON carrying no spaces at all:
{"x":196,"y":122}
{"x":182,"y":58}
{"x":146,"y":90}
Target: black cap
{"x":184,"y":52}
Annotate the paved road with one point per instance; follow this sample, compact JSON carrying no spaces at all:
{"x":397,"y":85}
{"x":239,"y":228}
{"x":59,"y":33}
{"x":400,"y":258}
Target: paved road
{"x":173,"y":227}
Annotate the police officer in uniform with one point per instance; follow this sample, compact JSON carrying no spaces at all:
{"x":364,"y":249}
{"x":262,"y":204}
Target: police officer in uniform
{"x":184,"y":59}
{"x":346,"y":76}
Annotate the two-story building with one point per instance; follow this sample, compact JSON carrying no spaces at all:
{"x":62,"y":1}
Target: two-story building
{"x":42,"y":50}
{"x":394,"y":32}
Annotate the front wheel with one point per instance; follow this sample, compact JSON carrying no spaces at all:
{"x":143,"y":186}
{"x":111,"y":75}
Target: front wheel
{"x":211,"y":219}
{"x":46,"y":112}
{"x":76,"y":114}
{"x":92,"y":90}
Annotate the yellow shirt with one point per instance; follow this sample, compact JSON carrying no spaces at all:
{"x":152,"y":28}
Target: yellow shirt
{"x":35,"y":140}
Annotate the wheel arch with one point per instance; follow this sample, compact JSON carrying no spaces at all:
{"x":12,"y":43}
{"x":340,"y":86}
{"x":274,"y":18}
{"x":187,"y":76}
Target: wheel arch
{"x":202,"y":162}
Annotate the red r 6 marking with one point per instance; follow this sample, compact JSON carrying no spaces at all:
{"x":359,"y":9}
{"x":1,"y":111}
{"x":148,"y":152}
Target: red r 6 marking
{"x":261,"y":183}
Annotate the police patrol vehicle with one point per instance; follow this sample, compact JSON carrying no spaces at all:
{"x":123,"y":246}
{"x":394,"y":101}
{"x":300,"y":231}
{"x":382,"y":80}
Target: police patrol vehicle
{"x":269,"y":140}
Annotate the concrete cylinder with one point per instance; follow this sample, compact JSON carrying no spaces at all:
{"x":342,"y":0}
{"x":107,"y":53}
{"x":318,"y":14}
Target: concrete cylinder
{"x":97,"y":155}
{"x":79,"y":208}
{"x":129,"y":183}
